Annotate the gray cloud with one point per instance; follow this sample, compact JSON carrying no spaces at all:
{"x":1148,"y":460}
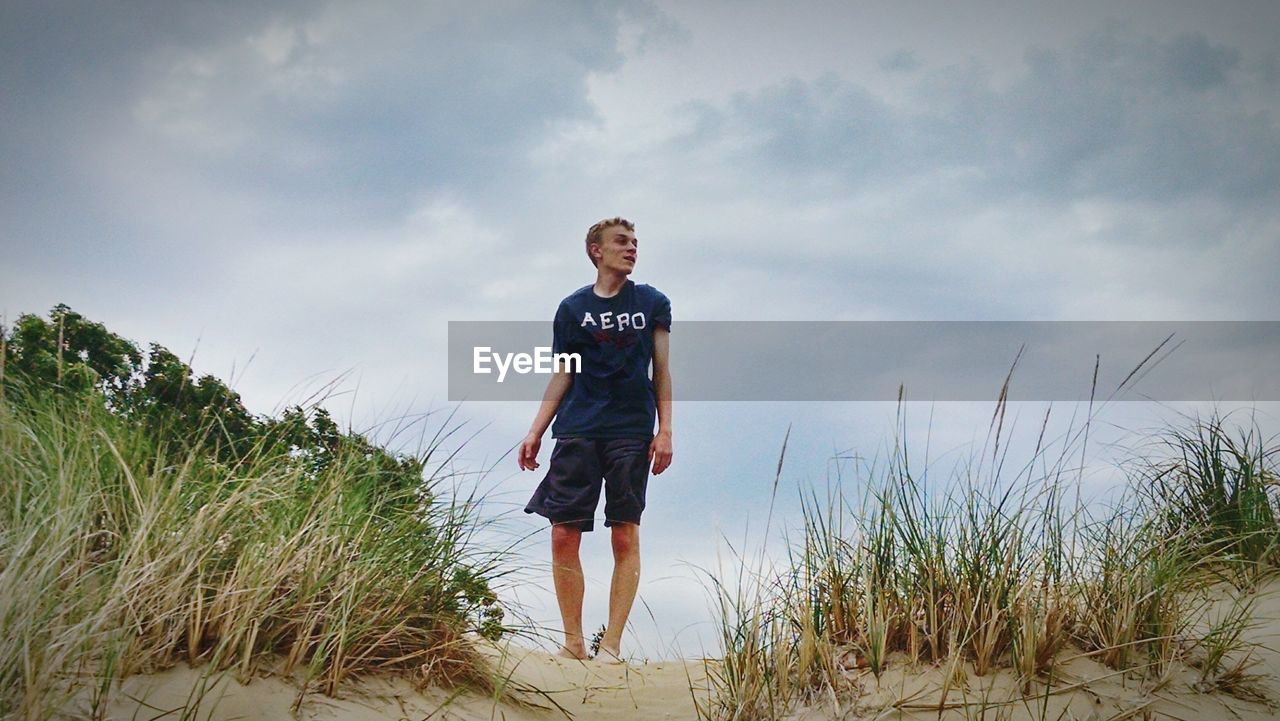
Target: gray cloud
{"x":293,"y":117}
{"x":1119,"y":116}
{"x":1196,"y":64}
{"x":322,"y":182}
{"x":900,"y":61}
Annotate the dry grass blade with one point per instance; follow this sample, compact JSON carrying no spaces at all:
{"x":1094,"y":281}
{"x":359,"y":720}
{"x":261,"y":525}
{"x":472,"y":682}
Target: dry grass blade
{"x":994,"y":573}
{"x":118,"y":557}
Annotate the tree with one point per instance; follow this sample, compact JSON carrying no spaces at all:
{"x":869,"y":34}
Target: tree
{"x":71,"y":355}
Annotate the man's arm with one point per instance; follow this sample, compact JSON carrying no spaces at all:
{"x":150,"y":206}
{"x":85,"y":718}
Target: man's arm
{"x":660,"y":450}
{"x":527,"y":456}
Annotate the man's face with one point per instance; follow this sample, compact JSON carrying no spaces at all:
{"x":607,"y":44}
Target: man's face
{"x":617,"y":250}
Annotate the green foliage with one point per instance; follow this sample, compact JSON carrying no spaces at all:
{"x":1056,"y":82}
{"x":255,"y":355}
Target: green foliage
{"x":74,"y":357}
{"x":146,"y":515}
{"x":474,"y":593}
{"x":70,"y":353}
{"x":119,"y":555}
{"x":1219,"y":488}
{"x":203,"y":411}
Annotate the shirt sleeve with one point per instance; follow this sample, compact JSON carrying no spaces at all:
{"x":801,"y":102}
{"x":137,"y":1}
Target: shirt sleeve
{"x":560,"y":330}
{"x":662,"y":312}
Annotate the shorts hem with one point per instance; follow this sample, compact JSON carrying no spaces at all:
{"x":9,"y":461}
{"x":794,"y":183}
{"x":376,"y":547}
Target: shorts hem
{"x":603,"y":436}
{"x":585,"y":526}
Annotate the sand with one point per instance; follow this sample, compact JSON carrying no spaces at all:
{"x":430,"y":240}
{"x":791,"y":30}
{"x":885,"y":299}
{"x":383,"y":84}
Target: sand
{"x":541,"y":687}
{"x":545,"y":687}
{"x":1083,"y":689}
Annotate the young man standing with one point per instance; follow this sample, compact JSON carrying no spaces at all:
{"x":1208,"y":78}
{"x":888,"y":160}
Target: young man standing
{"x":604,"y":419}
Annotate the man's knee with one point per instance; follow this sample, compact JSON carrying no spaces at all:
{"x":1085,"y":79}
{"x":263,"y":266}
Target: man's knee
{"x":565,"y":539}
{"x":626,"y":539}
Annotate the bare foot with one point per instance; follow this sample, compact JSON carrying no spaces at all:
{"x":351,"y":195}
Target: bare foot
{"x":566,"y":652}
{"x":609,"y":655}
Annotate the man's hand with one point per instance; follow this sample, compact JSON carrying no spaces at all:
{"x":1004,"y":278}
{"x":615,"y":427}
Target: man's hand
{"x":527,"y":456}
{"x":660,"y":452}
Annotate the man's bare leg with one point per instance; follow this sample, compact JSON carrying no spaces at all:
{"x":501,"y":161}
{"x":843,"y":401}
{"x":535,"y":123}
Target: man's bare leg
{"x":566,"y":572}
{"x":622,"y":590}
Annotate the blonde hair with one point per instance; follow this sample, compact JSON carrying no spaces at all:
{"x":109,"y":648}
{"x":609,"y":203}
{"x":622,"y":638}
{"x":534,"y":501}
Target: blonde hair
{"x":596,"y":232}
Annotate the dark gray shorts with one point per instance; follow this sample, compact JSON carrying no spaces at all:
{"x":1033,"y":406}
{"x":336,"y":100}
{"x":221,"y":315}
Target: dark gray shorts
{"x":571,"y":489}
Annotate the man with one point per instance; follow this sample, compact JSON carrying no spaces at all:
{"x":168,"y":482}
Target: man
{"x":604,"y":418}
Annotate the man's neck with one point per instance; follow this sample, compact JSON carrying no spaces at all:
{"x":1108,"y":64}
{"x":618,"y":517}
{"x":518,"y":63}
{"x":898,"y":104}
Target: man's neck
{"x":608,"y":284}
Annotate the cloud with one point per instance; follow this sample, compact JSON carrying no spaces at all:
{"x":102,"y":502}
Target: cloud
{"x":322,"y":185}
{"x":900,"y":61}
{"x":1195,"y":63}
{"x":313,"y":116}
{"x":1095,"y":182}
{"x":369,"y":109}
{"x":1118,"y":115}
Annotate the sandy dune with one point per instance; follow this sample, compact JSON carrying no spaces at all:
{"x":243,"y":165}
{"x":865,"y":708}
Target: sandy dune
{"x":541,"y":687}
{"x":545,"y":687}
{"x":1083,"y":689}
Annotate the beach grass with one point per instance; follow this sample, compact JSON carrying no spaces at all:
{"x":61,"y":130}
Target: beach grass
{"x":127,"y":547}
{"x":1000,"y":567}
{"x":122,"y":553}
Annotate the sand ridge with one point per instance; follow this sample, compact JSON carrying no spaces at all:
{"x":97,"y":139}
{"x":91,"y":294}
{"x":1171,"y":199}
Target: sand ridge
{"x":540,"y":686}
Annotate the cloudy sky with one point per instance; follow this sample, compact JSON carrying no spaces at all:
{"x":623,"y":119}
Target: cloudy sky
{"x":300,"y":196}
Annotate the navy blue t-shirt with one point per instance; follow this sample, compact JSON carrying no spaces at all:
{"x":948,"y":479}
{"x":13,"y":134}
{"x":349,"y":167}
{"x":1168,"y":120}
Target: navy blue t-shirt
{"x":613,"y":396}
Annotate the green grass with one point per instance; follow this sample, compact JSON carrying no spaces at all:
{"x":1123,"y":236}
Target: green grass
{"x":993,"y":569}
{"x":119,"y":556}
{"x":1217,"y":486}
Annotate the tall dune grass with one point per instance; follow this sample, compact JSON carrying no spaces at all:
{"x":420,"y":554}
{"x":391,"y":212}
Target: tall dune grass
{"x":1001,"y":567}
{"x":119,"y":556}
